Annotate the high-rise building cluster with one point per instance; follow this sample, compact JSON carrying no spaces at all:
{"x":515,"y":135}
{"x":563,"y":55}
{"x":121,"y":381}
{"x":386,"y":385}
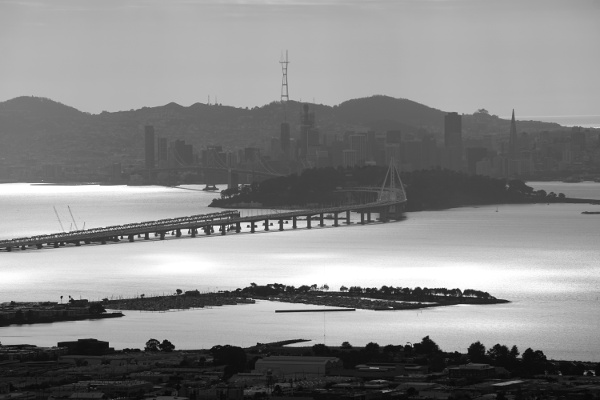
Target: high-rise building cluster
{"x":302,"y":145}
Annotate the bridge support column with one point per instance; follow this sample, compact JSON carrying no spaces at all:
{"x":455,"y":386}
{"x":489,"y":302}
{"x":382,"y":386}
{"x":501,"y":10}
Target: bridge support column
{"x":9,"y":249}
{"x":348,"y":217}
{"x":86,"y":241}
{"x":39,"y":246}
{"x":335,"y":219}
{"x":147,"y":236}
{"x":162,"y":235}
{"x":77,"y":243}
{"x":252,"y":226}
{"x":308,"y":221}
{"x":384,"y":216}
{"x":193,"y":232}
{"x":362,"y":218}
{"x":23,"y":247}
{"x":208,"y":230}
{"x":280,"y":224}
{"x":238,"y":227}
{"x":266,"y":224}
{"x":103,"y":241}
{"x":321,"y":220}
{"x":369,"y":216}
{"x":130,"y":237}
{"x":178,"y":233}
{"x":62,"y":243}
{"x":55,"y":244}
{"x":223,"y":229}
{"x":294,"y":222}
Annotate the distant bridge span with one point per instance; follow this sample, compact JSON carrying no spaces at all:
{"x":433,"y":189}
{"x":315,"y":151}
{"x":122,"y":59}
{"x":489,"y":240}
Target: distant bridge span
{"x":389,"y":206}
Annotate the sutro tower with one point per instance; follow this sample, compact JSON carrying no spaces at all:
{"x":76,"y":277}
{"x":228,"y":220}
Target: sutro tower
{"x":284,"y":83}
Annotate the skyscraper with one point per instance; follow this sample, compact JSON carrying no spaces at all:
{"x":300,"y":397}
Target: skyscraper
{"x":513,"y":147}
{"x":149,"y":146}
{"x":453,"y":147}
{"x":452,"y":130}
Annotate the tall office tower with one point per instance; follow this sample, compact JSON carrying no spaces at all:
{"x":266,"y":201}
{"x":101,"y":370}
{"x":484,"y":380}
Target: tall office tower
{"x":284,"y":138}
{"x":149,"y":146}
{"x":358,"y":143}
{"x":163,"y":151}
{"x":452,"y":130}
{"x":309,"y":137}
{"x":453,"y":151}
{"x":513,"y":147}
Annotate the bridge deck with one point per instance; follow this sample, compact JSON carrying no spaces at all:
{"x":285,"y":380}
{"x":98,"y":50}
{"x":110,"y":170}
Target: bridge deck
{"x":223,"y":218}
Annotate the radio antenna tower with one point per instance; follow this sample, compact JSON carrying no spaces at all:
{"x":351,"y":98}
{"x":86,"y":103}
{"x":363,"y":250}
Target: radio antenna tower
{"x":285,"y":97}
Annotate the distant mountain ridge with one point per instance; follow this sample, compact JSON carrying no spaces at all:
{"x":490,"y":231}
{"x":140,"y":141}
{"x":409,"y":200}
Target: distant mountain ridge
{"x":42,"y":130}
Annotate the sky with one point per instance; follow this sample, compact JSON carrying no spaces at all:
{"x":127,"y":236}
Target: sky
{"x":540,"y":57}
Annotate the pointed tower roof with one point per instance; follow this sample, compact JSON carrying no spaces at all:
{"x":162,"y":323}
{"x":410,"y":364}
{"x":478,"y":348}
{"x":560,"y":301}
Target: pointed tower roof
{"x":512,"y":140}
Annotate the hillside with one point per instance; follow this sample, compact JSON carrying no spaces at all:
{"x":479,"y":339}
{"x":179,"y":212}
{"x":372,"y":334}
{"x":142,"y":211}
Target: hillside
{"x":39,"y":130}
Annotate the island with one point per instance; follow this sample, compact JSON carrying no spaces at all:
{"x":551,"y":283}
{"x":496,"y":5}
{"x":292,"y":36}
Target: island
{"x":16,"y":313}
{"x":346,"y":298}
{"x":433,"y":189}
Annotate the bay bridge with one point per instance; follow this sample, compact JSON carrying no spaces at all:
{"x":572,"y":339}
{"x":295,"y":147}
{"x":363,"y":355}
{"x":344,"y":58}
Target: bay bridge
{"x":387,"y":201}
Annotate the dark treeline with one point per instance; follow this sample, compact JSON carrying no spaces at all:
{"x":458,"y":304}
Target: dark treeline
{"x":401,"y":293}
{"x":426,"y":189}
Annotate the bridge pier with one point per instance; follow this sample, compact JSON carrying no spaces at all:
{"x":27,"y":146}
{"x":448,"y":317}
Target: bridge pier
{"x":266,"y":224}
{"x":86,"y":241}
{"x":9,"y":249}
{"x":162,"y":235}
{"x":193,"y":232}
{"x":321,"y":220}
{"x":348,"y":217}
{"x":223,"y":229}
{"x":252,"y":226}
{"x":369,"y":216}
{"x":362,"y":218}
{"x":130,"y":237}
{"x":103,"y":241}
{"x":178,"y":233}
{"x":39,"y":246}
{"x":23,"y":247}
{"x":308,"y":221}
{"x":207,"y":230}
{"x":335,"y":219}
{"x":77,"y":243}
{"x":294,"y":222}
{"x":238,"y":227}
{"x":280,"y":224}
{"x":147,"y":236}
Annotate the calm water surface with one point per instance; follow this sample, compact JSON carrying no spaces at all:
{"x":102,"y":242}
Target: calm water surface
{"x":544,"y":258}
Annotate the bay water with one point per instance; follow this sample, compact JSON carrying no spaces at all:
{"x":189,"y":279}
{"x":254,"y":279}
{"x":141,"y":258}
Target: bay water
{"x":544,"y":258}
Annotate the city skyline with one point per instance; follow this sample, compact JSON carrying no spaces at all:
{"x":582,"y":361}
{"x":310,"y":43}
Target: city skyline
{"x":454,"y":55}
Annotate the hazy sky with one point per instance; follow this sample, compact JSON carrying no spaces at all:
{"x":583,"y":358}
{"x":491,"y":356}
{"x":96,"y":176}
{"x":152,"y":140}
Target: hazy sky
{"x":541,"y":57}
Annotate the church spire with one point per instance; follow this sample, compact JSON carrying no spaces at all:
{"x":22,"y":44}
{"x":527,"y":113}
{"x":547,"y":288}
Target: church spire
{"x":512,"y":140}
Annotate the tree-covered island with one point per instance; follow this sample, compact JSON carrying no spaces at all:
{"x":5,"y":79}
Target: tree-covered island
{"x":380,"y":299}
{"x":433,"y":189}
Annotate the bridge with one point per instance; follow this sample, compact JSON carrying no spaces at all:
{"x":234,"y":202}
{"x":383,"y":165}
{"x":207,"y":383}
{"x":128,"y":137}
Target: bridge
{"x":389,"y":204}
